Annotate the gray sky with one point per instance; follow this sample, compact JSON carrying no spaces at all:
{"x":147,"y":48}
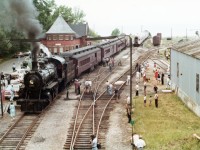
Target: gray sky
{"x":132,"y":16}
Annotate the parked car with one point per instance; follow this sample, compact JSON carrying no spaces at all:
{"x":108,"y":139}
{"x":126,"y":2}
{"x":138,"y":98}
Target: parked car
{"x":18,"y":54}
{"x":27,"y":53}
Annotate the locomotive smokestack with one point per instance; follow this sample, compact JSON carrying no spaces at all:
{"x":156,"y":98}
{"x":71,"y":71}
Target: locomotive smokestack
{"x":24,"y":15}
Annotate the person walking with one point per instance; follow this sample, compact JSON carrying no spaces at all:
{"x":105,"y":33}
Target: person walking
{"x":156,"y":100}
{"x":12,"y":110}
{"x":93,"y":142}
{"x":137,"y":90}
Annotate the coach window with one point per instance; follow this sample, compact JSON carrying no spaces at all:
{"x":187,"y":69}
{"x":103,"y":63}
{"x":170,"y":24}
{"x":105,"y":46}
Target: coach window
{"x":197,"y":82}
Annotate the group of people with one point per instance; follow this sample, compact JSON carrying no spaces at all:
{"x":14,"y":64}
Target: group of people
{"x":110,"y":62}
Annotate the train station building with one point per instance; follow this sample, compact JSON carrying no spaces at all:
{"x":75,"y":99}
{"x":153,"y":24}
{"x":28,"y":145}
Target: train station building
{"x":63,"y":37}
{"x":185,"y":73}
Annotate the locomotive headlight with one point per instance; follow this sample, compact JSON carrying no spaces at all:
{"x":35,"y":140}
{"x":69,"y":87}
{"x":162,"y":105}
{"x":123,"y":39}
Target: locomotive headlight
{"x":31,"y":82}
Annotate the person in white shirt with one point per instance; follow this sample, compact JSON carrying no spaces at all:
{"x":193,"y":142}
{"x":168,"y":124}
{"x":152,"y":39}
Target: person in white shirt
{"x":94,"y":142}
{"x":137,"y":90}
{"x":128,"y":80}
{"x":140,"y":144}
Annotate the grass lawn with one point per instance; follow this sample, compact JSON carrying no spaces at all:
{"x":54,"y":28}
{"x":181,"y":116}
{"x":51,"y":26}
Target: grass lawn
{"x":170,"y":126}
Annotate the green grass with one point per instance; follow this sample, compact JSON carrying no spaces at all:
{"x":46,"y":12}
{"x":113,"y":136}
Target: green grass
{"x":168,"y":127}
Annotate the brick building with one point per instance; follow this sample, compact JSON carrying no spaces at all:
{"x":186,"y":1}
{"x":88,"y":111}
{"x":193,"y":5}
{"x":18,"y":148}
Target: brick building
{"x":62,"y":37}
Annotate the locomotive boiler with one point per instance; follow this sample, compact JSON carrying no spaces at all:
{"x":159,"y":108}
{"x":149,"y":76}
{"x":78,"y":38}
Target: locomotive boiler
{"x":42,"y":83}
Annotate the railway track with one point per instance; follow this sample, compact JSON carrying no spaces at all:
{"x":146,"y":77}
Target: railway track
{"x":92,"y":115}
{"x":15,"y":135}
{"x":19,"y":133}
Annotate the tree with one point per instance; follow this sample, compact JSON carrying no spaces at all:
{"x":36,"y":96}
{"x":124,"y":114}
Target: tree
{"x":115,"y":32}
{"x":45,"y":9}
{"x":70,"y":16}
{"x":92,"y":33}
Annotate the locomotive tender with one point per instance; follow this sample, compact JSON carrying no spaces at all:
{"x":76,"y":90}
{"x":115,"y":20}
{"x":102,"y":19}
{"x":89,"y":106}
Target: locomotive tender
{"x":51,"y":74}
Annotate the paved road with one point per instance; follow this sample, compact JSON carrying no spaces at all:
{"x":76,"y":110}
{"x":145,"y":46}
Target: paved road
{"x":6,"y":66}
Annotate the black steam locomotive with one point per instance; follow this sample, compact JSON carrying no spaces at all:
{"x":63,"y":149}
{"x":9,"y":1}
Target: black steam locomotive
{"x":51,"y":73}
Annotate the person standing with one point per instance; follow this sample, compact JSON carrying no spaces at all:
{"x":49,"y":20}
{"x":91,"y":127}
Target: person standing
{"x":107,"y":86}
{"x":93,"y":142}
{"x":14,"y":67}
{"x":137,"y":76}
{"x":128,"y":80}
{"x":145,"y":87}
{"x":12,"y":110}
{"x":116,"y":93}
{"x":155,"y":88}
{"x":137,"y":90}
{"x":110,"y":89}
{"x":162,"y":78}
{"x":76,"y":86}
{"x":156,"y":100}
{"x":145,"y":100}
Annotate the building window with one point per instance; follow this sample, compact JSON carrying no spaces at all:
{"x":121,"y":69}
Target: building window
{"x":72,"y":38}
{"x":197,"y":82}
{"x":55,"y":37}
{"x":67,"y":38}
{"x":49,"y":37}
{"x":177,"y":69}
{"x":60,"y":37}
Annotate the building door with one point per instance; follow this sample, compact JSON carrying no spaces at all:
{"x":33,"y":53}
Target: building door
{"x":61,"y":49}
{"x":55,"y":50}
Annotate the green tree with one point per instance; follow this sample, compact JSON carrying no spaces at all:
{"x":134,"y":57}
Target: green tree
{"x":70,"y":16}
{"x":45,"y":9}
{"x":115,"y":32}
{"x":92,"y":33}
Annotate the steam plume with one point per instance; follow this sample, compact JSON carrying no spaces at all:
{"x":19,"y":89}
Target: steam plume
{"x":23,"y":14}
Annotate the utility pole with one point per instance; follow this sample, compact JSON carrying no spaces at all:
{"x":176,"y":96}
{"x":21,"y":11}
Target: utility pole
{"x":1,"y":100}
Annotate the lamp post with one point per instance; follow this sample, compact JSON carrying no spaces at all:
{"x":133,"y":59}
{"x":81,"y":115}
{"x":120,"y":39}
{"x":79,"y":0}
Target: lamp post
{"x":131,"y":47}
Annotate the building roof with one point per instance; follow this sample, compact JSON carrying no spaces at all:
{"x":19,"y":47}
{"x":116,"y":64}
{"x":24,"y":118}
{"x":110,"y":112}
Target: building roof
{"x":81,"y":29}
{"x":191,"y":48}
{"x":60,"y":26}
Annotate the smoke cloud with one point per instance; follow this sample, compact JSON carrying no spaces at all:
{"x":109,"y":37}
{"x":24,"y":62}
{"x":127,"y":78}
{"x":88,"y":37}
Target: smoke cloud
{"x":22,"y":14}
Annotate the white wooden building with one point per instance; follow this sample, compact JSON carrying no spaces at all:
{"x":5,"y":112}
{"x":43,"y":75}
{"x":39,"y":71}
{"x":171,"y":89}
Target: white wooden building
{"x":185,"y":73}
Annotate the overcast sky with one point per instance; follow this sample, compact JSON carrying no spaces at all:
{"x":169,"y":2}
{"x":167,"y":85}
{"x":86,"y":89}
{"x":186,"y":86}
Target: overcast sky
{"x":132,"y":16}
